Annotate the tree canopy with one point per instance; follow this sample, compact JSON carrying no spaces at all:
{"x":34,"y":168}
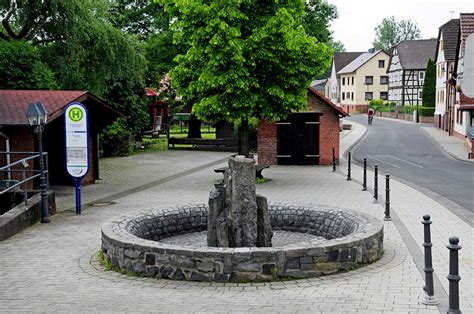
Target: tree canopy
{"x":244,"y":59}
{"x":390,"y":32}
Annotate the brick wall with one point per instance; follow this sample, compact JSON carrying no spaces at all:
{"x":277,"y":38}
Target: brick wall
{"x":267,"y":143}
{"x":21,"y":139}
{"x":328,"y":130}
{"x":354,"y":108}
{"x":328,"y":134}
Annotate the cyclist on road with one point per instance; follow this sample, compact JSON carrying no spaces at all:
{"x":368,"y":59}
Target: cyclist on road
{"x":370,"y":115}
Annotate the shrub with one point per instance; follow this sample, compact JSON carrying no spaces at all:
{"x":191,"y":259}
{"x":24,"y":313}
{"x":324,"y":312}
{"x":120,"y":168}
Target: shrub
{"x":426,"y":111}
{"x":117,"y":139}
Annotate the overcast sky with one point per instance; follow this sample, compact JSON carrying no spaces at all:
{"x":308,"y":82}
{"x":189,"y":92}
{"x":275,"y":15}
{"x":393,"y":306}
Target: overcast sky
{"x":357,"y":18}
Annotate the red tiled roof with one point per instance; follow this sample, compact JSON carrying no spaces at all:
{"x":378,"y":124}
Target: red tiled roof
{"x":465,"y":101}
{"x":467,"y":28}
{"x":339,"y":110}
{"x":13,"y":103}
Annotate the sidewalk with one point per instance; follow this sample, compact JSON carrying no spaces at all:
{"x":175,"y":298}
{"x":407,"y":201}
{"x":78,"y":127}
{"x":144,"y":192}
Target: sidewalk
{"x":54,"y":267}
{"x":452,"y":145}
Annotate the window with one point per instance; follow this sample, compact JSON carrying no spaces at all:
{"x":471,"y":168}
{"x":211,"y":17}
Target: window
{"x":421,"y":76}
{"x":352,"y":96}
{"x":348,"y":95}
{"x":343,"y":81}
{"x":420,"y":94}
{"x":381,"y":64}
{"x":384,"y":79}
{"x":343,"y":96}
{"x":383,"y":95}
{"x":352,"y":80}
{"x":369,"y":96}
{"x":369,"y":80}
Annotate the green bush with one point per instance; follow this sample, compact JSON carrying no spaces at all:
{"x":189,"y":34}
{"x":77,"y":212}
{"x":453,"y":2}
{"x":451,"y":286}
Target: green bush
{"x":116,"y":139}
{"x":376,"y":102}
{"x":423,"y":111}
{"x":426,"y":111}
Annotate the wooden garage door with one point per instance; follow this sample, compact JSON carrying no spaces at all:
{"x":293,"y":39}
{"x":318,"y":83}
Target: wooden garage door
{"x":298,"y":139}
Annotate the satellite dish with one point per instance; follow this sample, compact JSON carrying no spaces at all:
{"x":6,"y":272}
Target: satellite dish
{"x":468,"y":71}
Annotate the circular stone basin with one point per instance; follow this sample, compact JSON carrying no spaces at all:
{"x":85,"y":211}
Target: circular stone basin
{"x":309,"y":241}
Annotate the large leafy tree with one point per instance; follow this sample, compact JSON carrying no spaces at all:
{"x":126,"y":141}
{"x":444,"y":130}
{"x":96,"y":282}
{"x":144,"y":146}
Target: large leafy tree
{"x":244,"y":58}
{"x":22,"y":68}
{"x":390,"y":32}
{"x":429,"y":85}
{"x":317,"y":16}
{"x":316,"y":20}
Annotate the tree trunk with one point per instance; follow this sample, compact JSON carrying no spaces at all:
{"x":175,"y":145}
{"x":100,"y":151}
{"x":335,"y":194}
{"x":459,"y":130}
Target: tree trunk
{"x":194,"y":130}
{"x":244,"y":137}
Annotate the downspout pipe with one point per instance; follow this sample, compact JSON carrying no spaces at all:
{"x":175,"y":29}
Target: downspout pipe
{"x":7,"y":149}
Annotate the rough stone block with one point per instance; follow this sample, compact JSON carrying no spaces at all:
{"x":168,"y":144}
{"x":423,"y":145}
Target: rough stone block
{"x":150,"y":259}
{"x":264,"y":226}
{"x":267,"y":269}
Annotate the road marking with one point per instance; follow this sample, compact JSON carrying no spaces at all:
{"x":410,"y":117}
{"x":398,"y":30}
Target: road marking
{"x":409,"y":162}
{"x":370,"y":156}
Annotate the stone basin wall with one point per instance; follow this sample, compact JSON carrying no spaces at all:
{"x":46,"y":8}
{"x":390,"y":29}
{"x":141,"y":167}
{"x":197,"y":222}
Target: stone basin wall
{"x":130,"y":243}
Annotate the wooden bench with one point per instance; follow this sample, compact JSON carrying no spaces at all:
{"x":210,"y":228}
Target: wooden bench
{"x":258,"y":170}
{"x":218,"y":142}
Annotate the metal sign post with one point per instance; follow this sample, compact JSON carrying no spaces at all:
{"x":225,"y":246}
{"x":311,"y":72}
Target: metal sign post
{"x":77,"y":145}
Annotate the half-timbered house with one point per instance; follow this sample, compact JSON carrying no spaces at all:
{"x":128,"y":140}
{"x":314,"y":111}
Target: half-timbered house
{"x":339,"y":61}
{"x":406,"y":72}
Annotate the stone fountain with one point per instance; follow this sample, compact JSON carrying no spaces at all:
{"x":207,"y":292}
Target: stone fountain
{"x":239,"y":237}
{"x":237,"y":216}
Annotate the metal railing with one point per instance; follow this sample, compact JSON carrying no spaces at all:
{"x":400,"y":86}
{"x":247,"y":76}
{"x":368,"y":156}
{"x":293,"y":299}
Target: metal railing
{"x":21,"y":166}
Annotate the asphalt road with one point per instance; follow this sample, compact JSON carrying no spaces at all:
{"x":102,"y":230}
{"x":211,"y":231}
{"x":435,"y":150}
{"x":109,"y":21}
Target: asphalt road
{"x":405,"y":151}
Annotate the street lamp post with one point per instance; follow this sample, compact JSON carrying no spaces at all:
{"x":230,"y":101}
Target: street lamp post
{"x":37,"y":116}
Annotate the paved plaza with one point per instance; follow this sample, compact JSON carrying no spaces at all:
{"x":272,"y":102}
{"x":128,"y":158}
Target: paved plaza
{"x":54,"y":267}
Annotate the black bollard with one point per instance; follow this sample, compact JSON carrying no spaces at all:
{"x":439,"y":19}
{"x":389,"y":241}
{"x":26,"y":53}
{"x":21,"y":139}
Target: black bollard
{"x":429,"y":298}
{"x":349,"y":167}
{"x":387,"y":198}
{"x":453,"y":276}
{"x":333,"y":159}
{"x":376,"y":183}
{"x":364,"y":179}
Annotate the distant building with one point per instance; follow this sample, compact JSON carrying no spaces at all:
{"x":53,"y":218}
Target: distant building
{"x":406,"y":72}
{"x":363,"y":79}
{"x":333,"y":86}
{"x":444,"y":58}
{"x":320,"y":86}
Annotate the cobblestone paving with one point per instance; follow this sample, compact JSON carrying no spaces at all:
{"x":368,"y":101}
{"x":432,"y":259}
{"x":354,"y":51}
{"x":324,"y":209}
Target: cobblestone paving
{"x":280,"y":239}
{"x":54,"y":268}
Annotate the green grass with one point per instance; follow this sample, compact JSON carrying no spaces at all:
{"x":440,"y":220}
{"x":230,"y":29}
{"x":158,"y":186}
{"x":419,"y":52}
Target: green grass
{"x":177,"y":129}
{"x":203,"y":135}
{"x":104,"y":261}
{"x":262,"y":180}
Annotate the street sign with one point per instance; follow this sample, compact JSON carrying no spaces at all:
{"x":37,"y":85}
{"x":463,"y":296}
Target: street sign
{"x":77,"y":145}
{"x":77,"y":156}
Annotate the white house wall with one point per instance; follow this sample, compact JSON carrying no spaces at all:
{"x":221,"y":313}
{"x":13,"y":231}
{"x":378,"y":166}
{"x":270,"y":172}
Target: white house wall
{"x":440,"y":81}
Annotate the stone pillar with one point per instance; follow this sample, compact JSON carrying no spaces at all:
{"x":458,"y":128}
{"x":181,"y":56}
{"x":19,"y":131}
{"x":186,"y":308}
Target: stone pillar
{"x":243,"y":204}
{"x":237,"y":217}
